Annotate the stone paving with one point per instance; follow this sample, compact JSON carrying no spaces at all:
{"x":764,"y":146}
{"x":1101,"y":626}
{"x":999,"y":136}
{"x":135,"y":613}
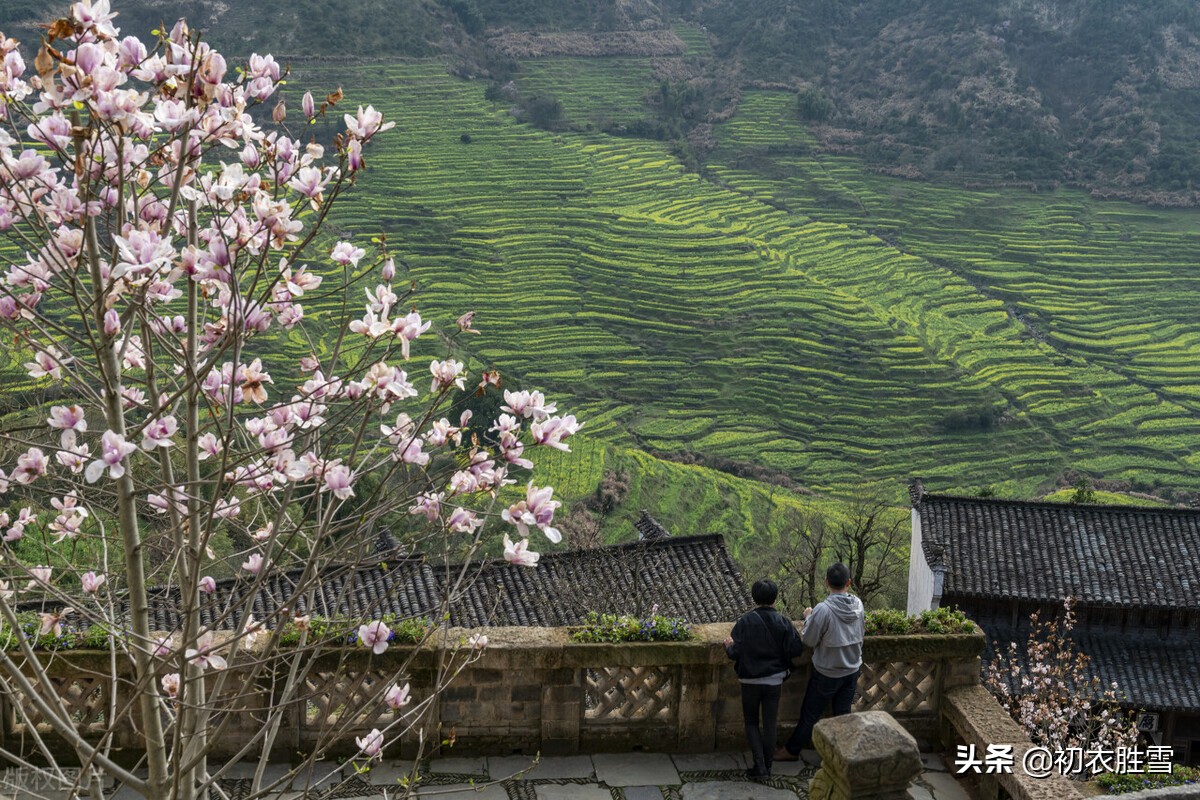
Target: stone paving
{"x":624,"y":776}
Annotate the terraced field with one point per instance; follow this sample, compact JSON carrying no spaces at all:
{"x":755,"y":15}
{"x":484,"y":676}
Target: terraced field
{"x":757,"y":320}
{"x":596,"y":91}
{"x":1104,"y":284}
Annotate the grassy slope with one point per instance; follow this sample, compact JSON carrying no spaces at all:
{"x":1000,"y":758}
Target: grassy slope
{"x":680,"y":315}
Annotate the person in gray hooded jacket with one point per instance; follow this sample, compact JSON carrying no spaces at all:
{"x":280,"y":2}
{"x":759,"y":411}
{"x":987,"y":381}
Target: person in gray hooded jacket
{"x":834,"y":630}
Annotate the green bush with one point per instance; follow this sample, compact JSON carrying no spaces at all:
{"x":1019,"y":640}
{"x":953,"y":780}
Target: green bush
{"x":895,"y":621}
{"x":95,"y":637}
{"x":1120,"y":783}
{"x":345,"y":630}
{"x":614,"y":628}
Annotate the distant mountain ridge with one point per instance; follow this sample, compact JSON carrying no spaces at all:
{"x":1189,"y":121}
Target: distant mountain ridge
{"x":1098,"y":93}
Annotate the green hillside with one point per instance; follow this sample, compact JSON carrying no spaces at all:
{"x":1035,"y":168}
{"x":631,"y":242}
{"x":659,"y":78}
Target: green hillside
{"x":1096,"y":94}
{"x":757,"y":321}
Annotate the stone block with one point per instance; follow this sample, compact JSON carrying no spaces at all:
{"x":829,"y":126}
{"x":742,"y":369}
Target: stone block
{"x":460,"y":694}
{"x":571,"y":791}
{"x":457,"y":766}
{"x":463,"y":791}
{"x":526,"y":692}
{"x":864,"y":755}
{"x":485,"y":675}
{"x":547,"y":767}
{"x":636,"y":769}
{"x":734,"y":790}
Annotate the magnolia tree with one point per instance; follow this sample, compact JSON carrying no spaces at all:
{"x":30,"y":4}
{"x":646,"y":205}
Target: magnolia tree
{"x":163,"y":245}
{"x":1053,"y":694}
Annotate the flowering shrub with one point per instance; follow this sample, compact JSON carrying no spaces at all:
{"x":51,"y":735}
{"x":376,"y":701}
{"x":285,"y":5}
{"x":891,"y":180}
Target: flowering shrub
{"x":164,"y":240}
{"x":614,"y":628}
{"x":941,"y":620}
{"x":1051,"y":693}
{"x":1120,"y":783}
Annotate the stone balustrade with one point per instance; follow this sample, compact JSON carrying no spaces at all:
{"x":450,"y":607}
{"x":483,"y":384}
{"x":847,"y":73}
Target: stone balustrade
{"x":533,"y":690}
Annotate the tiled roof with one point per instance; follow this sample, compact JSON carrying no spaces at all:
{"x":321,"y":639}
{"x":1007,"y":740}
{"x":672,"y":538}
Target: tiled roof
{"x":1102,"y":555}
{"x":1151,"y":674}
{"x":649,"y":528}
{"x":692,"y":577}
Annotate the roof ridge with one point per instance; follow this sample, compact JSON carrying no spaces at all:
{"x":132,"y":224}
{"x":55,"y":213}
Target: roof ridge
{"x":1007,"y":501}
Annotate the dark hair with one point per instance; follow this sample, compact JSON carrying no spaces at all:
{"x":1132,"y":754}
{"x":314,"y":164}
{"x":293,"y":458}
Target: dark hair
{"x":764,"y":592}
{"x":838,"y":576}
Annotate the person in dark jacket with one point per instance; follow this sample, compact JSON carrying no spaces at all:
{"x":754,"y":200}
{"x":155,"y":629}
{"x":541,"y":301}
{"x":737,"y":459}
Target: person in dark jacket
{"x":763,"y":643}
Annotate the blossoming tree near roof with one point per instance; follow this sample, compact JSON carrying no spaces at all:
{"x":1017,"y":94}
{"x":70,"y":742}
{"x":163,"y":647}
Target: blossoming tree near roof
{"x":164,"y":242}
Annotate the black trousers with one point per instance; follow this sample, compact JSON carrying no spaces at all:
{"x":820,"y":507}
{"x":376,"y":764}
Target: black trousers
{"x":761,"y":703}
{"x":821,"y":691}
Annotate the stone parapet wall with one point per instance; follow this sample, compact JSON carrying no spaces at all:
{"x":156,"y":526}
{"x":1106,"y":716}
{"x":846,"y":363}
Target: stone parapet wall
{"x":533,"y":690}
{"x":971,"y":716}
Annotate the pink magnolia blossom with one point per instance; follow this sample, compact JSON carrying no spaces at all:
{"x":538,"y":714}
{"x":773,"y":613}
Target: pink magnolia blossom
{"x":208,"y":445}
{"x":428,"y":505}
{"x":113,"y":450}
{"x":73,"y":457}
{"x":253,"y":564}
{"x":92,"y":582}
{"x":354,"y":156}
{"x":158,"y":432}
{"x":207,"y":584}
{"x":478,"y":641}
{"x":445,"y":374}
{"x":23,"y":520}
{"x":550,"y":432}
{"x":162,"y":647}
{"x":161,"y":503}
{"x":366,"y":123}
{"x":408,"y":329}
{"x":170,"y":684}
{"x":338,"y":478}
{"x":31,"y":465}
{"x":227,"y":508}
{"x":527,"y":404}
{"x":203,"y":656}
{"x":52,"y":622}
{"x":347,"y":254}
{"x":112,"y":322}
{"x":38,"y":576}
{"x":67,"y":418}
{"x":397,"y":696}
{"x":519,"y":553}
{"x":375,"y":636}
{"x":371,"y":745}
{"x":537,"y":509}
{"x":463,"y":521}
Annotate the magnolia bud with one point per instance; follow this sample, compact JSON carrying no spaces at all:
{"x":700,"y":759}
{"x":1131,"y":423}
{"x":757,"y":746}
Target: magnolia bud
{"x":389,"y":269}
{"x":112,"y":322}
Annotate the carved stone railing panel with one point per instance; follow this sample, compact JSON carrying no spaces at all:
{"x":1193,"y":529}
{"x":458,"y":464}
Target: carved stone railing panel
{"x":621,"y":694}
{"x":85,"y":698}
{"x":898,"y":686}
{"x":348,"y":700}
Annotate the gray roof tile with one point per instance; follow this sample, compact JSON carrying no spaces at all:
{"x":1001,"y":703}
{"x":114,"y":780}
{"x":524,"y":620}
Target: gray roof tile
{"x":1102,"y":555}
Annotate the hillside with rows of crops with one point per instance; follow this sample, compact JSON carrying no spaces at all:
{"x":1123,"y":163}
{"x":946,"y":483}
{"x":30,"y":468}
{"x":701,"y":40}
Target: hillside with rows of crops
{"x":788,"y":310}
